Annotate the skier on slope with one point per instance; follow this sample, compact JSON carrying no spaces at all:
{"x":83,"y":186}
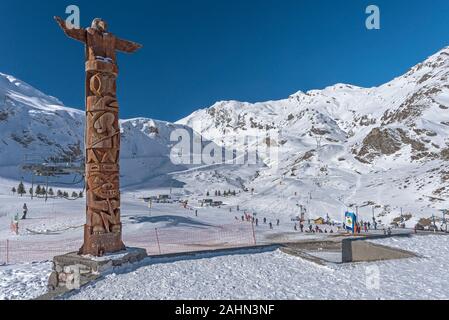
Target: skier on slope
{"x":25,"y":211}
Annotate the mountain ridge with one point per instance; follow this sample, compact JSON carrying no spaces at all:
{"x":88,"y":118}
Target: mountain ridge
{"x":385,"y":147}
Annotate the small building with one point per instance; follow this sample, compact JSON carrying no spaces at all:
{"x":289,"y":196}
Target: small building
{"x":163,"y":198}
{"x":217,"y":203}
{"x":148,"y":199}
{"x":207,"y":201}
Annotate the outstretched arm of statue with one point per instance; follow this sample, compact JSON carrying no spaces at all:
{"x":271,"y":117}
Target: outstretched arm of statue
{"x":77,"y":34}
{"x":127,"y":46}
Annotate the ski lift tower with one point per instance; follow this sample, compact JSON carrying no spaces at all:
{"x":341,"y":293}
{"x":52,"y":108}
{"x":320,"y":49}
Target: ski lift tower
{"x":302,"y":213}
{"x":445,"y":220}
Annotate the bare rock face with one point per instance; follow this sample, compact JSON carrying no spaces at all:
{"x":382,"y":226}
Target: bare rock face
{"x":379,"y":142}
{"x":445,"y":154}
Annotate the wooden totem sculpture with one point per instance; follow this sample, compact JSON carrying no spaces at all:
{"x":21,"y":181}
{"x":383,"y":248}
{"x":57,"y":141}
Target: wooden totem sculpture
{"x":103,"y":229}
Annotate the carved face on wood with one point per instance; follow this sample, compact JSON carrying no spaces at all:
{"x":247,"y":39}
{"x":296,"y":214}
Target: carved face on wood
{"x":100,"y":25}
{"x":104,"y":185}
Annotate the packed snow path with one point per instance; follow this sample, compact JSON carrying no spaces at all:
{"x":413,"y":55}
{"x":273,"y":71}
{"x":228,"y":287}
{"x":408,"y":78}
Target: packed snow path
{"x":275,"y":275}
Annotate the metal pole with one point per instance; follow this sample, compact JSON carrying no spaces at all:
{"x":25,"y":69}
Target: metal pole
{"x":445,"y":221}
{"x":32,"y":186}
{"x":46,"y":191}
{"x":7,"y":251}
{"x":158,"y":243}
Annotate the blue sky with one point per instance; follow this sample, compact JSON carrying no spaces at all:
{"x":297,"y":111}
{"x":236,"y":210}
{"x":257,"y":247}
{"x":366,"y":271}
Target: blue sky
{"x":197,"y":52}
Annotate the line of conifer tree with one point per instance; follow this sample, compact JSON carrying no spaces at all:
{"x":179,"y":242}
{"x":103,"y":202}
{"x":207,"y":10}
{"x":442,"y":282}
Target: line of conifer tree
{"x":41,"y":191}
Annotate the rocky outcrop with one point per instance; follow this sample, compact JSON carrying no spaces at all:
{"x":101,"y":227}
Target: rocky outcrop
{"x":379,"y":142}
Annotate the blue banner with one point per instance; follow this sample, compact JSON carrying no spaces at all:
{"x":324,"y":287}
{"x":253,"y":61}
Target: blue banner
{"x":350,"y":221}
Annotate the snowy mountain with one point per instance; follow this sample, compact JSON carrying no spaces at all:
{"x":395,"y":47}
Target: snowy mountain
{"x":35,"y":127}
{"x":382,"y":148}
{"x":385,"y":147}
{"x":33,"y":123}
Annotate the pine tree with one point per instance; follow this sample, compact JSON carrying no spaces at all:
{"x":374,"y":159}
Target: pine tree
{"x":38,"y":190}
{"x":50,"y":192}
{"x":66,"y":194}
{"x":31,"y":191}
{"x":207,"y":194}
{"x":21,"y":189}
{"x":80,"y":195}
{"x":74,"y":194}
{"x":59,"y":193}
{"x":13,"y":190}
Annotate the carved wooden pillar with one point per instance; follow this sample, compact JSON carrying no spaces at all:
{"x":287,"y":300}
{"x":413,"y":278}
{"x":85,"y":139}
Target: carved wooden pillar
{"x":103,"y":229}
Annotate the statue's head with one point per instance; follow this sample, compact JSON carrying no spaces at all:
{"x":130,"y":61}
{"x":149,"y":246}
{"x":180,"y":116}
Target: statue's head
{"x":100,"y":25}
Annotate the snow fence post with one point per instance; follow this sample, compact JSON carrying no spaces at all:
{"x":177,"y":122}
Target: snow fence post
{"x":7,"y":251}
{"x":254,"y":233}
{"x":158,"y":243}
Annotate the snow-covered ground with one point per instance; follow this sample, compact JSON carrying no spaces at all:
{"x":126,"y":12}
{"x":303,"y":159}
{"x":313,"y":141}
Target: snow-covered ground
{"x":275,"y":275}
{"x":264,"y":275}
{"x":24,"y":281}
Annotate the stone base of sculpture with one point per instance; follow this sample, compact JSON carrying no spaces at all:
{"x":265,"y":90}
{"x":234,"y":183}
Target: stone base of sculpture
{"x":72,"y":271}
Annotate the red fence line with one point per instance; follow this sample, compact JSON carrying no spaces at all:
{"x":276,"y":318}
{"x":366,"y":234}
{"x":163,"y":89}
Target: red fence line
{"x":155,"y":241}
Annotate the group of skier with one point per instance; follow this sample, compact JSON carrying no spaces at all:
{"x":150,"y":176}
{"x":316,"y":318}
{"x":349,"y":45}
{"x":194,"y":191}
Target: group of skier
{"x":364,"y":226}
{"x":247,"y":217}
{"x":312,"y":229}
